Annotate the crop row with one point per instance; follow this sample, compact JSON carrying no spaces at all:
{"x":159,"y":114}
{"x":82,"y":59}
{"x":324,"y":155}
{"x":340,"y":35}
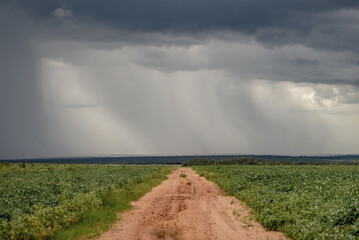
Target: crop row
{"x":304,"y":202}
{"x":37,"y":200}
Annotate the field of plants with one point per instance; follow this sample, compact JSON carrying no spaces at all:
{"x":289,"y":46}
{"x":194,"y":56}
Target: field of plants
{"x":38,"y":199}
{"x":304,"y":202}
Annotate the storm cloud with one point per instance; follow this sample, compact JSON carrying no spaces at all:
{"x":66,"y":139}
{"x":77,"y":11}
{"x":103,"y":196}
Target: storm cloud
{"x":178,"y":77}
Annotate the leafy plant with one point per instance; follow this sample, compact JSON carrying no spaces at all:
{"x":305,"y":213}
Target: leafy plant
{"x":304,"y":202}
{"x":37,"y":201}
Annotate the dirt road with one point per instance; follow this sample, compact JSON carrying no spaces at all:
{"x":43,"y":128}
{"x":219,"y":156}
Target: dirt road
{"x":188,"y":208}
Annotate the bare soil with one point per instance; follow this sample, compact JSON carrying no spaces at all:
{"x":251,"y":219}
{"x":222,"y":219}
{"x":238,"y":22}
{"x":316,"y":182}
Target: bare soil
{"x":190,"y":208}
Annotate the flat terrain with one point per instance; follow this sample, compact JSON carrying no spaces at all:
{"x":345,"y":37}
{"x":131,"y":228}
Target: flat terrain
{"x":187,"y":206}
{"x":303,"y":202}
{"x":39,"y":201}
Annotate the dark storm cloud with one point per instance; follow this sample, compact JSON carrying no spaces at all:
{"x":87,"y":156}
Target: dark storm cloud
{"x":321,"y":24}
{"x":284,"y":19}
{"x":333,"y":81}
{"x":177,"y":76}
{"x":189,"y":15}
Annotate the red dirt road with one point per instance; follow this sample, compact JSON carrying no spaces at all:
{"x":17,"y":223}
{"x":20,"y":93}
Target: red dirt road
{"x":188,"y":208}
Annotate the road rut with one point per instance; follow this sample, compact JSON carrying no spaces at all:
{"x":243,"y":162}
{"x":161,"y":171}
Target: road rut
{"x":190,"y":208}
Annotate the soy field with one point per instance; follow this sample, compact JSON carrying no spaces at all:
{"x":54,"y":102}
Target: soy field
{"x":304,"y":202}
{"x":39,"y":199}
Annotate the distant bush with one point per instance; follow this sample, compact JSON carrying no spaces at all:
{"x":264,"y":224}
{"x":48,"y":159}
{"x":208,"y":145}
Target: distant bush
{"x":233,"y":161}
{"x":198,"y":161}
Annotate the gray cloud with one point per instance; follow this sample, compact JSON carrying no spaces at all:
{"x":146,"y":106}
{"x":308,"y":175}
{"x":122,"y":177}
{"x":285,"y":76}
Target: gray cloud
{"x":198,"y":15}
{"x":62,"y":12}
{"x":250,"y":60}
{"x":327,"y":28}
{"x":178,"y":77}
{"x":188,"y":111}
{"x":271,"y":22}
{"x":22,"y":121}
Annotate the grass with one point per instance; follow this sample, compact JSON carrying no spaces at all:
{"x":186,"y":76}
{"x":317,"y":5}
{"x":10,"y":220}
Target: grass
{"x":101,"y":219}
{"x":183,"y":175}
{"x":236,"y":214}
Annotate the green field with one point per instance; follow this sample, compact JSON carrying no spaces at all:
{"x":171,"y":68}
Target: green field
{"x":304,"y":202}
{"x":38,"y":200}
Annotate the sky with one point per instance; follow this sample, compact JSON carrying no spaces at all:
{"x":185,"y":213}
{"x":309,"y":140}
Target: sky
{"x":178,"y":77}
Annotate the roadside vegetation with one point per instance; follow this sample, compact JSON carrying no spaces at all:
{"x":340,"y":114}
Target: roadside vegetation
{"x":304,"y":202}
{"x":62,"y":201}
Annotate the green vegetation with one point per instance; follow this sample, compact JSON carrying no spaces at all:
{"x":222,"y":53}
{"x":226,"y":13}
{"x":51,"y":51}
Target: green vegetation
{"x":236,"y":214}
{"x":67,"y":201}
{"x":183,"y":175}
{"x":207,"y":161}
{"x":304,"y":202}
{"x":270,"y":160}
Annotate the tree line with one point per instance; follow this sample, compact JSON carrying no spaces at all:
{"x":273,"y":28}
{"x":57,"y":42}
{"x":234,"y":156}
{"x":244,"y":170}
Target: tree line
{"x":253,"y":161}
